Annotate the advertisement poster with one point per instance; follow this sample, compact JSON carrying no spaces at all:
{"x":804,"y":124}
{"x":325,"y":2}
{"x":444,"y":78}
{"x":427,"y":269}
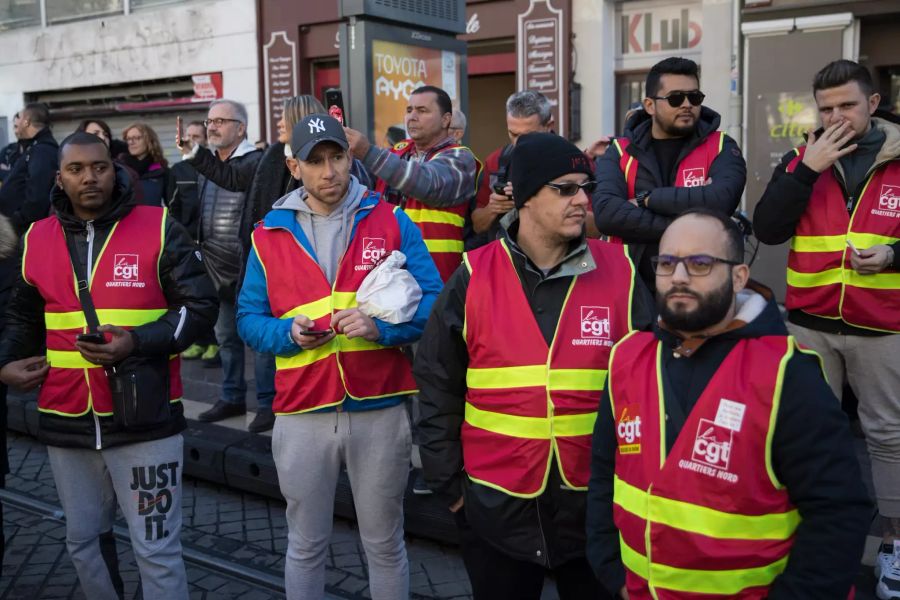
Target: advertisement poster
{"x":398,"y":69}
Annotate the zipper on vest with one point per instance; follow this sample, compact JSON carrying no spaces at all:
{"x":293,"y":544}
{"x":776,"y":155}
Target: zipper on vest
{"x":544,"y":553}
{"x":98,"y":442}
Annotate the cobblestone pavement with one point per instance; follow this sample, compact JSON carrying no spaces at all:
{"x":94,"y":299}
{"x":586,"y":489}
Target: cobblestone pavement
{"x":225,"y":525}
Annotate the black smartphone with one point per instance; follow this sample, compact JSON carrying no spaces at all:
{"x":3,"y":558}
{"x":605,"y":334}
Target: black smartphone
{"x":316,"y":332}
{"x":334,"y":102}
{"x":91,"y":338}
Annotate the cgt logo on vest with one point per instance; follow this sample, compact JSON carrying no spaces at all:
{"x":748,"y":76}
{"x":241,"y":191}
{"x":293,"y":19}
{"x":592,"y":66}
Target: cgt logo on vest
{"x":628,"y":430}
{"x":373,"y":251}
{"x":694,"y":177}
{"x":125,"y":271}
{"x":888,"y":201}
{"x":595,"y":327}
{"x":711,"y":452}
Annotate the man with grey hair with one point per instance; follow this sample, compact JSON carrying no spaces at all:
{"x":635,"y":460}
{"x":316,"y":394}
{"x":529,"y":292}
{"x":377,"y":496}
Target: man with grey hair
{"x":458,"y":125}
{"x":527,"y":111}
{"x":226,"y":169}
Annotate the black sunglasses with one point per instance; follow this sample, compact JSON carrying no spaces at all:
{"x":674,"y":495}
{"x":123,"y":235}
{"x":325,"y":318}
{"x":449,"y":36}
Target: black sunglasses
{"x":571,"y":188}
{"x":676,"y":99}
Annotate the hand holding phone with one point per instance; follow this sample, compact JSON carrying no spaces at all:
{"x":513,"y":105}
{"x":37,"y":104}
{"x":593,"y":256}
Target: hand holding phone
{"x":316,"y":332}
{"x":91,"y":338}
{"x":334,"y":101}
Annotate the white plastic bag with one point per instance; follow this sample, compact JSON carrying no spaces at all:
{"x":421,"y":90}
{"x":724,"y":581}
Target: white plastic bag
{"x":389,"y":292}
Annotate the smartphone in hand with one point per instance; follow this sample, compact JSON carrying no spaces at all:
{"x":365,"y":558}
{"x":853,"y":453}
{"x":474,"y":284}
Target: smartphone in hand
{"x":316,"y":332}
{"x":91,"y":338}
{"x":334,"y":101}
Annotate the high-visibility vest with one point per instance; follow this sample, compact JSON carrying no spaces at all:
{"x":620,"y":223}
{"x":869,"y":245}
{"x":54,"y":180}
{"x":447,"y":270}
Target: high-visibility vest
{"x":527,"y":402}
{"x":820,"y":280}
{"x":692,"y":171}
{"x":126,"y":291}
{"x":296,"y":285}
{"x":442,"y":228}
{"x":711,"y":519}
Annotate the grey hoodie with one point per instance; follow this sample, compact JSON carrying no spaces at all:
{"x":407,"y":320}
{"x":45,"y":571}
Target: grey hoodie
{"x":329,"y":235}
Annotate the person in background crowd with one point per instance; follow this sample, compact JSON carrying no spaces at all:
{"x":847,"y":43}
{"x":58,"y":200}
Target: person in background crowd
{"x":429,"y":175}
{"x":225,"y":176}
{"x":261,"y":145}
{"x":10,"y":152}
{"x":96,"y":459}
{"x":837,"y":198}
{"x":307,"y":316}
{"x":511,"y":367}
{"x":725,"y":469}
{"x":671,"y":158}
{"x":145,"y":157}
{"x":184,"y":205}
{"x":458,"y":125}
{"x":102,"y":130}
{"x":25,"y":194}
{"x":527,"y":111}
{"x":393,"y":136}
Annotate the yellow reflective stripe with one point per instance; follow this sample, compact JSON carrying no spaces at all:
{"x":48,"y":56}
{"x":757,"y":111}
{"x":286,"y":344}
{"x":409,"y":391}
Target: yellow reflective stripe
{"x":807,"y":280}
{"x":67,"y":359}
{"x":306,"y":357}
{"x":703,"y":520}
{"x":121,"y":317}
{"x":878,"y":281}
{"x":428,"y":215}
{"x":819,"y":243}
{"x":572,"y":425}
{"x":322,"y":307}
{"x":724,"y":582}
{"x":511,"y":425}
{"x":357,"y":344}
{"x":581,"y":380}
{"x":314,"y":310}
{"x":536,"y":428}
{"x":507,"y":377}
{"x":867,"y":240}
{"x":618,"y":146}
{"x":536,"y":376}
{"x":444,"y":245}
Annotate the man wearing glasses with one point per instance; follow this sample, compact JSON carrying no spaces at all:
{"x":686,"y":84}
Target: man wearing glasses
{"x":721,"y":464}
{"x":510,"y":369}
{"x":226,"y":170}
{"x":671,"y":158}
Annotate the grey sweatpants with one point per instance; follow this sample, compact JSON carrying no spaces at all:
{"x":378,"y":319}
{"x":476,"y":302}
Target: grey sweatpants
{"x":871,"y":365}
{"x":308,"y":450}
{"x":145,"y":479}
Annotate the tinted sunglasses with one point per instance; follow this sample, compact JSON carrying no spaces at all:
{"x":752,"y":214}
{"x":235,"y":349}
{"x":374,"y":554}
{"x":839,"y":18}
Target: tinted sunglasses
{"x":676,"y":99}
{"x":570,"y":188}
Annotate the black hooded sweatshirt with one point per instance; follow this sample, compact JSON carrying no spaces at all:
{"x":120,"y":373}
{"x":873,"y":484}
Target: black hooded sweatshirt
{"x":812,"y":455}
{"x":641,"y":228}
{"x":192,"y":309}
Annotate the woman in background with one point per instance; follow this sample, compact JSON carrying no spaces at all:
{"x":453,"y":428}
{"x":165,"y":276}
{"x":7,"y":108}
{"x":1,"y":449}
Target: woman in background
{"x":145,"y":156}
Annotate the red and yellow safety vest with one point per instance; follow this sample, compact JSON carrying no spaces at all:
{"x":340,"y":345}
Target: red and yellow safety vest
{"x":358,"y":368}
{"x":711,"y":519}
{"x":126,"y":291}
{"x":527,"y":402}
{"x":819,"y":276}
{"x":442,"y":228}
{"x":692,"y":171}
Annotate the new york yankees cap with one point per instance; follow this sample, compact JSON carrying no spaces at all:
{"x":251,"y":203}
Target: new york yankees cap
{"x":313,"y":129}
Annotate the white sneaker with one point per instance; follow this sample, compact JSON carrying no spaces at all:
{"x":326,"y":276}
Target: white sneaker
{"x":887,"y":570}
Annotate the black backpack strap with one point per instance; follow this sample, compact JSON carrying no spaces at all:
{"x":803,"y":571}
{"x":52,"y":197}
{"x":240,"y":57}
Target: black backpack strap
{"x":84,"y":292}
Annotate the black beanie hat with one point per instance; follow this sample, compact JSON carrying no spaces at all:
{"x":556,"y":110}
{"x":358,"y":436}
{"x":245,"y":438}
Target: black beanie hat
{"x":542,"y":157}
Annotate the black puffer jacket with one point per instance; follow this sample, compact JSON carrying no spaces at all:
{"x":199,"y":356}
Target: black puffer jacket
{"x":184,"y":283}
{"x":224,"y":226}
{"x":641,"y":228}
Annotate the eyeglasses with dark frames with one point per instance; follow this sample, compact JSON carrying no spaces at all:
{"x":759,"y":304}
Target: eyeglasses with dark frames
{"x":676,"y":99}
{"x":571,"y":188}
{"x":697,"y":265}
{"x":219,"y":122}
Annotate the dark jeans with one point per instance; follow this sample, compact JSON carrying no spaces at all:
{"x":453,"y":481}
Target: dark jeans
{"x":496,"y":576}
{"x":231,"y":350}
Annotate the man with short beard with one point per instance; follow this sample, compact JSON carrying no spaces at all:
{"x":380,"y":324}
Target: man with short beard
{"x":726,"y":469}
{"x":670,"y":159}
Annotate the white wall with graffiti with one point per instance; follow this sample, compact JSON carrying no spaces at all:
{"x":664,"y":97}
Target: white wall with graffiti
{"x":174,"y":41}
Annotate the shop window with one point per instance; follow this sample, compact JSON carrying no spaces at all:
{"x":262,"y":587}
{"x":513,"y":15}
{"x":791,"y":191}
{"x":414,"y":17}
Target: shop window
{"x":19,"y":13}
{"x":139,"y":4}
{"x":629,"y":89}
{"x":62,"y":11}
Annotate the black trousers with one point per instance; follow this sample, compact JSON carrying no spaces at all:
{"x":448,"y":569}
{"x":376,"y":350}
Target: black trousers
{"x":496,"y":576}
